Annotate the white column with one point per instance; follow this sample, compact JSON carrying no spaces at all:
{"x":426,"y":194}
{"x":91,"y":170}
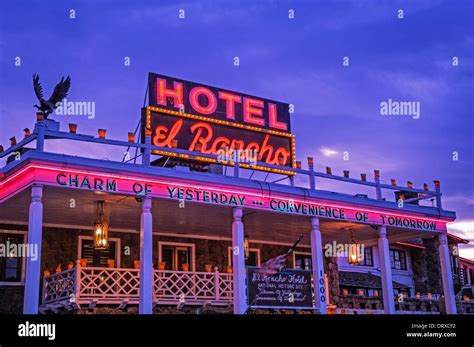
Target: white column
{"x":318,"y":267}
{"x":33,"y":266}
{"x":146,"y":258}
{"x":386,"y":272}
{"x":238,"y":262}
{"x":446,"y":274}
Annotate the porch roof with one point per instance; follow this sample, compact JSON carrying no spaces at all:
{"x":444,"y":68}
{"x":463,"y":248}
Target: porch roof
{"x":196,"y":218}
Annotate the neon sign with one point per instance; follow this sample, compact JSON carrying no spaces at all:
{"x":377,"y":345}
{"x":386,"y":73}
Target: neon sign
{"x":202,"y":100}
{"x":206,"y":137}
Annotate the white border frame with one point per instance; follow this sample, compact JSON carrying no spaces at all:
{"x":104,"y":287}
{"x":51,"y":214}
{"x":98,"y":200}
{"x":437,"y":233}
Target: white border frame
{"x":179,"y":244}
{"x":302,"y":253}
{"x":229,"y":255}
{"x":23,"y":261}
{"x":118,"y":247}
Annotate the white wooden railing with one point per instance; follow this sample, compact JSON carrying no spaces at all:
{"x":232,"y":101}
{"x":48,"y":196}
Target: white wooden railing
{"x":101,"y":285}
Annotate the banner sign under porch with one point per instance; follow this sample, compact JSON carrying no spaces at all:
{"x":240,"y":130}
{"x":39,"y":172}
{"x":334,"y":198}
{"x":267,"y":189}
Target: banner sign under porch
{"x":188,"y":191}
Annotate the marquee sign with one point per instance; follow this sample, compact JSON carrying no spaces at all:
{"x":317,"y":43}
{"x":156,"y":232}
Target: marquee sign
{"x":214,"y":194}
{"x":201,"y":118}
{"x":287,"y":289}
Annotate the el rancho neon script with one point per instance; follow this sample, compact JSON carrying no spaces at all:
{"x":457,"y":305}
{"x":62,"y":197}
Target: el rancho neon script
{"x":207,"y":119}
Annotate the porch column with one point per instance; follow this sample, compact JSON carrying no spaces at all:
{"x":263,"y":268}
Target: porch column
{"x":238,"y":262}
{"x":146,"y":258}
{"x":318,"y":267}
{"x":33,"y":266}
{"x":446,"y":274}
{"x":386,"y":272}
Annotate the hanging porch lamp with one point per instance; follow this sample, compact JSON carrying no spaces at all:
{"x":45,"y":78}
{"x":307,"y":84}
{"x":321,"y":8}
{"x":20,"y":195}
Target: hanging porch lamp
{"x":354,"y":251}
{"x":101,"y":227}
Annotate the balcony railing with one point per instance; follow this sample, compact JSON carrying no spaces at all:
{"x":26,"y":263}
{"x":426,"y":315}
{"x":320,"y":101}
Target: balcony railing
{"x":101,"y":285}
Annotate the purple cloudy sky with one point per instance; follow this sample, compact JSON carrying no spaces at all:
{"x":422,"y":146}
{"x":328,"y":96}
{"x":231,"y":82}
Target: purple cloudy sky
{"x":298,"y":61}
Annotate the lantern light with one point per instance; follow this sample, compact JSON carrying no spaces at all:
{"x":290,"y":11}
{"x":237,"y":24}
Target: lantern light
{"x":310,"y":162}
{"x":376,"y":174}
{"x":13,"y":141}
{"x":425,"y":186}
{"x":409,"y":185}
{"x":246,"y":247}
{"x":346,"y":173}
{"x":437,"y":183}
{"x":131,"y":137}
{"x":298,"y":164}
{"x":102,"y":133}
{"x":393,"y":181}
{"x":328,"y":170}
{"x":401,"y":197}
{"x":363,"y":177}
{"x":101,"y":227}
{"x":354,"y":251}
{"x":72,"y":128}
{"x":27,"y":132}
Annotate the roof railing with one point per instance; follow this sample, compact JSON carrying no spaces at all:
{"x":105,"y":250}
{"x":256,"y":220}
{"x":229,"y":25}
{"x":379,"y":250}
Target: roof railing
{"x":49,"y":129}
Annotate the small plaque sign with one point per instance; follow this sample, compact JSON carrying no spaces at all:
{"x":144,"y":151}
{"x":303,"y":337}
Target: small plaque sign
{"x":288,"y":289}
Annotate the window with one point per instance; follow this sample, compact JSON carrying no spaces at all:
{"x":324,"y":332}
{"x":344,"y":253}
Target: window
{"x":302,"y":261}
{"x":253,"y":260}
{"x":368,"y":257}
{"x":97,"y":257}
{"x":11,"y":266}
{"x":398,"y":259}
{"x":176,"y":256}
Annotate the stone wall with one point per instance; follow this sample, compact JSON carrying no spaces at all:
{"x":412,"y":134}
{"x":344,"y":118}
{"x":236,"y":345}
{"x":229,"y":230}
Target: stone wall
{"x":11,"y":299}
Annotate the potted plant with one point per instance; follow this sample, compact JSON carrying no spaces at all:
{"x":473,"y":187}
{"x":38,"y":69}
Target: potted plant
{"x":70,"y":265}
{"x":46,"y":273}
{"x":83,"y":262}
{"x":136,"y":264}
{"x":58,"y":268}
{"x":111,"y":263}
{"x":161,"y":265}
{"x":229,"y":269}
{"x":208,"y":267}
{"x":185,"y":267}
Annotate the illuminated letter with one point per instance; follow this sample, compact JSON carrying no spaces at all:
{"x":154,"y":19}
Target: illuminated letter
{"x":250,"y":111}
{"x":274,"y":123}
{"x":211,"y":100}
{"x":59,"y":181}
{"x":230,"y":100}
{"x":162,"y":93}
{"x":204,"y":140}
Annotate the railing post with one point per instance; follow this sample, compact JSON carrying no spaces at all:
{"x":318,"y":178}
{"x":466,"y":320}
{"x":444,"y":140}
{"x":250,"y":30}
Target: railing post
{"x":312,"y":181}
{"x":216,"y":283}
{"x":438,"y":194}
{"x":77,"y":282}
{"x":147,"y":150}
{"x":44,"y":289}
{"x":236,"y":168}
{"x":40,"y":136}
{"x":378,"y":189}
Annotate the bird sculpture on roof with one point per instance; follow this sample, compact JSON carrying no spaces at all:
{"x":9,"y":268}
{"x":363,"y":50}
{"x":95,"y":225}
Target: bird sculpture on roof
{"x":59,"y":93}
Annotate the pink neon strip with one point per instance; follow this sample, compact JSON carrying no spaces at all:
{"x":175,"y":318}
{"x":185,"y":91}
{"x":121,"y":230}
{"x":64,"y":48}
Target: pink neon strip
{"x":216,"y":189}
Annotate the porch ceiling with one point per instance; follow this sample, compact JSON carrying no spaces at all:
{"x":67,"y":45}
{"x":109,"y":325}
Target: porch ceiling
{"x":194,"y":218}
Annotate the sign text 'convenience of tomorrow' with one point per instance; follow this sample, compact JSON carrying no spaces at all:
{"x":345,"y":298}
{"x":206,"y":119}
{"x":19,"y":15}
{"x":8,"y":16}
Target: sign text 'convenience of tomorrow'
{"x":217,"y":197}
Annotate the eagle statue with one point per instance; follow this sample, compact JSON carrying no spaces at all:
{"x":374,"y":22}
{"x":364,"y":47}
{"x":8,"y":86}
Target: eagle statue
{"x":59,"y":93}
